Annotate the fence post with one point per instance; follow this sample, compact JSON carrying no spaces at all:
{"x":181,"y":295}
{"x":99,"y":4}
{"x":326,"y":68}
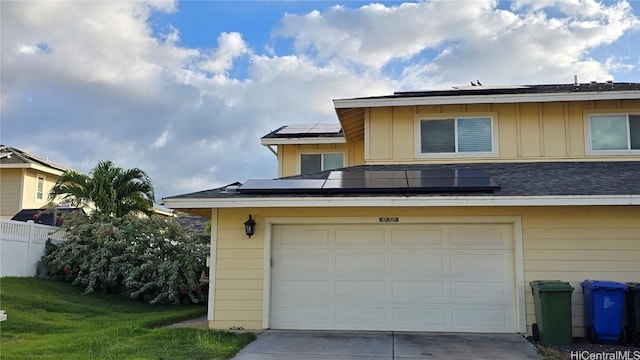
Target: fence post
{"x":29,"y":241}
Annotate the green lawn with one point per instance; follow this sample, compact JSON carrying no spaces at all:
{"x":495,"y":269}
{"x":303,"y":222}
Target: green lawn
{"x":53,"y":320}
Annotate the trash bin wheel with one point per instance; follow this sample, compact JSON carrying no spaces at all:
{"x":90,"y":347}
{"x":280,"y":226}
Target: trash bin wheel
{"x":536,"y":332}
{"x":591,"y":334}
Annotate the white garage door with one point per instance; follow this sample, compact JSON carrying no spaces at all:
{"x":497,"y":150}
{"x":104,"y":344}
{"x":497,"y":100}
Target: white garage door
{"x":444,"y":277}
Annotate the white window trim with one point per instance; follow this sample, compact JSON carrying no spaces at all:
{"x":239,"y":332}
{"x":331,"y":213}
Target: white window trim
{"x":321,"y":153}
{"x":587,"y":132}
{"x":418,"y":136}
{"x":44,"y":182}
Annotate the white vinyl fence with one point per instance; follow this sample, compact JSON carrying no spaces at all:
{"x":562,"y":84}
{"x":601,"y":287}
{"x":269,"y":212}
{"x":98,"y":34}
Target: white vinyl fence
{"x":23,"y":244}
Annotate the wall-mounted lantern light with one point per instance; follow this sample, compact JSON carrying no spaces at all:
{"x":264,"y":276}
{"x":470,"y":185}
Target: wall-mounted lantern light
{"x":250,"y":226}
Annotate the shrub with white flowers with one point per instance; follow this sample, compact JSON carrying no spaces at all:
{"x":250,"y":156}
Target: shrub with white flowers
{"x":150,"y":258}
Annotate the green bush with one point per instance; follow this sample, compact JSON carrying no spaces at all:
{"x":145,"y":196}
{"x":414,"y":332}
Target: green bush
{"x":150,"y":258}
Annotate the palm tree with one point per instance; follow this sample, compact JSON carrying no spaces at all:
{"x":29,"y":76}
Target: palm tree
{"x":110,"y":189}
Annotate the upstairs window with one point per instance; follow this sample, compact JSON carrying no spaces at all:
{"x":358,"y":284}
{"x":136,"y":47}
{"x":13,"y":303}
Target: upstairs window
{"x":319,"y":162}
{"x":617,"y":132}
{"x":456,"y":135}
{"x":40,"y":188}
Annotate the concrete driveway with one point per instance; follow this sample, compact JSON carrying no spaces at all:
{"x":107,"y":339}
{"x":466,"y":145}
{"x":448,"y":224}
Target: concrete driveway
{"x":383,"y":345}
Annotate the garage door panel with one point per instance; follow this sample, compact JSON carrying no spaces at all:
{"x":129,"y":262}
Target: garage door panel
{"x":395,"y":277}
{"x":362,"y":317}
{"x":491,"y":319}
{"x":360,"y":264}
{"x":303,"y":236}
{"x":418,"y":290}
{"x":296,"y":261}
{"x":407,"y":318}
{"x":484,"y":290}
{"x":357,"y":289}
{"x":479,"y":264}
{"x":416,"y":236}
{"x":288,"y":289}
{"x":418,"y":264}
{"x":360,"y":236}
{"x":291,"y":316}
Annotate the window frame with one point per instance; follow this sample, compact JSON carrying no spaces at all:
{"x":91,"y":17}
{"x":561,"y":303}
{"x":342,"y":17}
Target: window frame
{"x":44,"y":181}
{"x":455,"y":117}
{"x":321,"y":153}
{"x":588,"y":141}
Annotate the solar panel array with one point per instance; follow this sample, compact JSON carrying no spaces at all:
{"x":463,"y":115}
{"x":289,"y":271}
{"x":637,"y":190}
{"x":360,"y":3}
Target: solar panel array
{"x":379,"y":181}
{"x":310,"y":129}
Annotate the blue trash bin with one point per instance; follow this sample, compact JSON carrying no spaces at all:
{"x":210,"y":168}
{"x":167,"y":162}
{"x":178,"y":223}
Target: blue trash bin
{"x":603,"y":310}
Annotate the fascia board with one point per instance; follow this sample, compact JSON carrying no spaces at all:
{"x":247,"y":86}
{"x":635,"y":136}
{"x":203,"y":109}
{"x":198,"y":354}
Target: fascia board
{"x":299,"y":141}
{"x":483,"y":99}
{"x":38,"y":167}
{"x":391,"y":201}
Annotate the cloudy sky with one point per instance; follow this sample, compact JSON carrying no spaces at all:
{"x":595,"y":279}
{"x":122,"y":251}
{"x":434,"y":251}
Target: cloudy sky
{"x":185,"y":90}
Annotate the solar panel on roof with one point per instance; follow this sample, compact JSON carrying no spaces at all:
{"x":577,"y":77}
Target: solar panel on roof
{"x":365,"y":184}
{"x":281,"y":185}
{"x":367,"y":175}
{"x":368,"y":181}
{"x":310,"y":129}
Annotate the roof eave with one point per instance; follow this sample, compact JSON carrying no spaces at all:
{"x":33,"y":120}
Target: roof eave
{"x":403,"y":201}
{"x":483,"y":99}
{"x":38,"y":167}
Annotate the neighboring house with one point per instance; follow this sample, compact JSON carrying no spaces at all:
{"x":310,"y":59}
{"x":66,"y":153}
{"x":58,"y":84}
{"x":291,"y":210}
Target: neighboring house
{"x":447,"y":205}
{"x":25,"y":180}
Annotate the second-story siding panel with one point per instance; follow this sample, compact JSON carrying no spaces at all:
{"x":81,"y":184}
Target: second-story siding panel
{"x":402,"y":133}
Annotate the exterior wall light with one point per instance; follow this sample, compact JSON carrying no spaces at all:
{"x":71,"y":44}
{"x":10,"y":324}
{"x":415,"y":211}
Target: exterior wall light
{"x":250,"y":226}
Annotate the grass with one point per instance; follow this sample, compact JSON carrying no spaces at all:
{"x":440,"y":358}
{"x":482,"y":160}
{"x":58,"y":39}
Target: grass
{"x":53,"y":320}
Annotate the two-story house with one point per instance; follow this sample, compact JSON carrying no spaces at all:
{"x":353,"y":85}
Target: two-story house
{"x":431,"y":211}
{"x":25,"y":180}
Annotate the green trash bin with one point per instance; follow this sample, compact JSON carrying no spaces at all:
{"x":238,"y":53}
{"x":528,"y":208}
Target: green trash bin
{"x":552,"y":299}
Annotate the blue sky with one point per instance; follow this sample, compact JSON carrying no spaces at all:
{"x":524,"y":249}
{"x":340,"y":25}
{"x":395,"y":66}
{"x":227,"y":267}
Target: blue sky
{"x":184,"y":90}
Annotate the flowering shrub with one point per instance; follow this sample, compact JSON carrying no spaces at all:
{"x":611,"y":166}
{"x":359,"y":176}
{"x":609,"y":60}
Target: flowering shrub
{"x":151,"y":258}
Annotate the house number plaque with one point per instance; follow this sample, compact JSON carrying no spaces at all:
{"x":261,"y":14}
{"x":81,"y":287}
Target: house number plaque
{"x":389,"y":220}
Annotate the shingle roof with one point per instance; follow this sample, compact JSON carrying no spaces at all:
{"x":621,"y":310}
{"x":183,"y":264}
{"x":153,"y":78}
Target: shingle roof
{"x":11,"y":155}
{"x":306,"y":131}
{"x":516,"y":89}
{"x":514,"y":179}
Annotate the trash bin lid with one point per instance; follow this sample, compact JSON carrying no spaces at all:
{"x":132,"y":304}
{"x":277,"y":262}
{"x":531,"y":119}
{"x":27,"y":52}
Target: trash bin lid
{"x":551,"y":285}
{"x":633,"y":286}
{"x":605,"y":285}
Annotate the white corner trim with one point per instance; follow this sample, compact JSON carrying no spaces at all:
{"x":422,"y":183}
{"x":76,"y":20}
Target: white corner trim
{"x":266,"y":277}
{"x":403,"y":201}
{"x":521,"y":288}
{"x":482,"y":99}
{"x":212,"y":265}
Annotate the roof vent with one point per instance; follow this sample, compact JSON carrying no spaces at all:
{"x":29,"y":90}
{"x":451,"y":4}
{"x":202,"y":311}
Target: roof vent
{"x":231,"y":189}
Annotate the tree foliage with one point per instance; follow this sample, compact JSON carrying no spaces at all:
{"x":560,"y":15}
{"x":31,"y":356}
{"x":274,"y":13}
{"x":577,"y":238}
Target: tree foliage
{"x":151,"y":258}
{"x":110,"y":189}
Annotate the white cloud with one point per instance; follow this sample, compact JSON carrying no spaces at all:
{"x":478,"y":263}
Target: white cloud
{"x":230,"y":47}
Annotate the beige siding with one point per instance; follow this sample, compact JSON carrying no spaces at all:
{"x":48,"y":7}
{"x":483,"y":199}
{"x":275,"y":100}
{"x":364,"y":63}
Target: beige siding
{"x":526,"y":131}
{"x":566,"y":243}
{"x":10,"y":191}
